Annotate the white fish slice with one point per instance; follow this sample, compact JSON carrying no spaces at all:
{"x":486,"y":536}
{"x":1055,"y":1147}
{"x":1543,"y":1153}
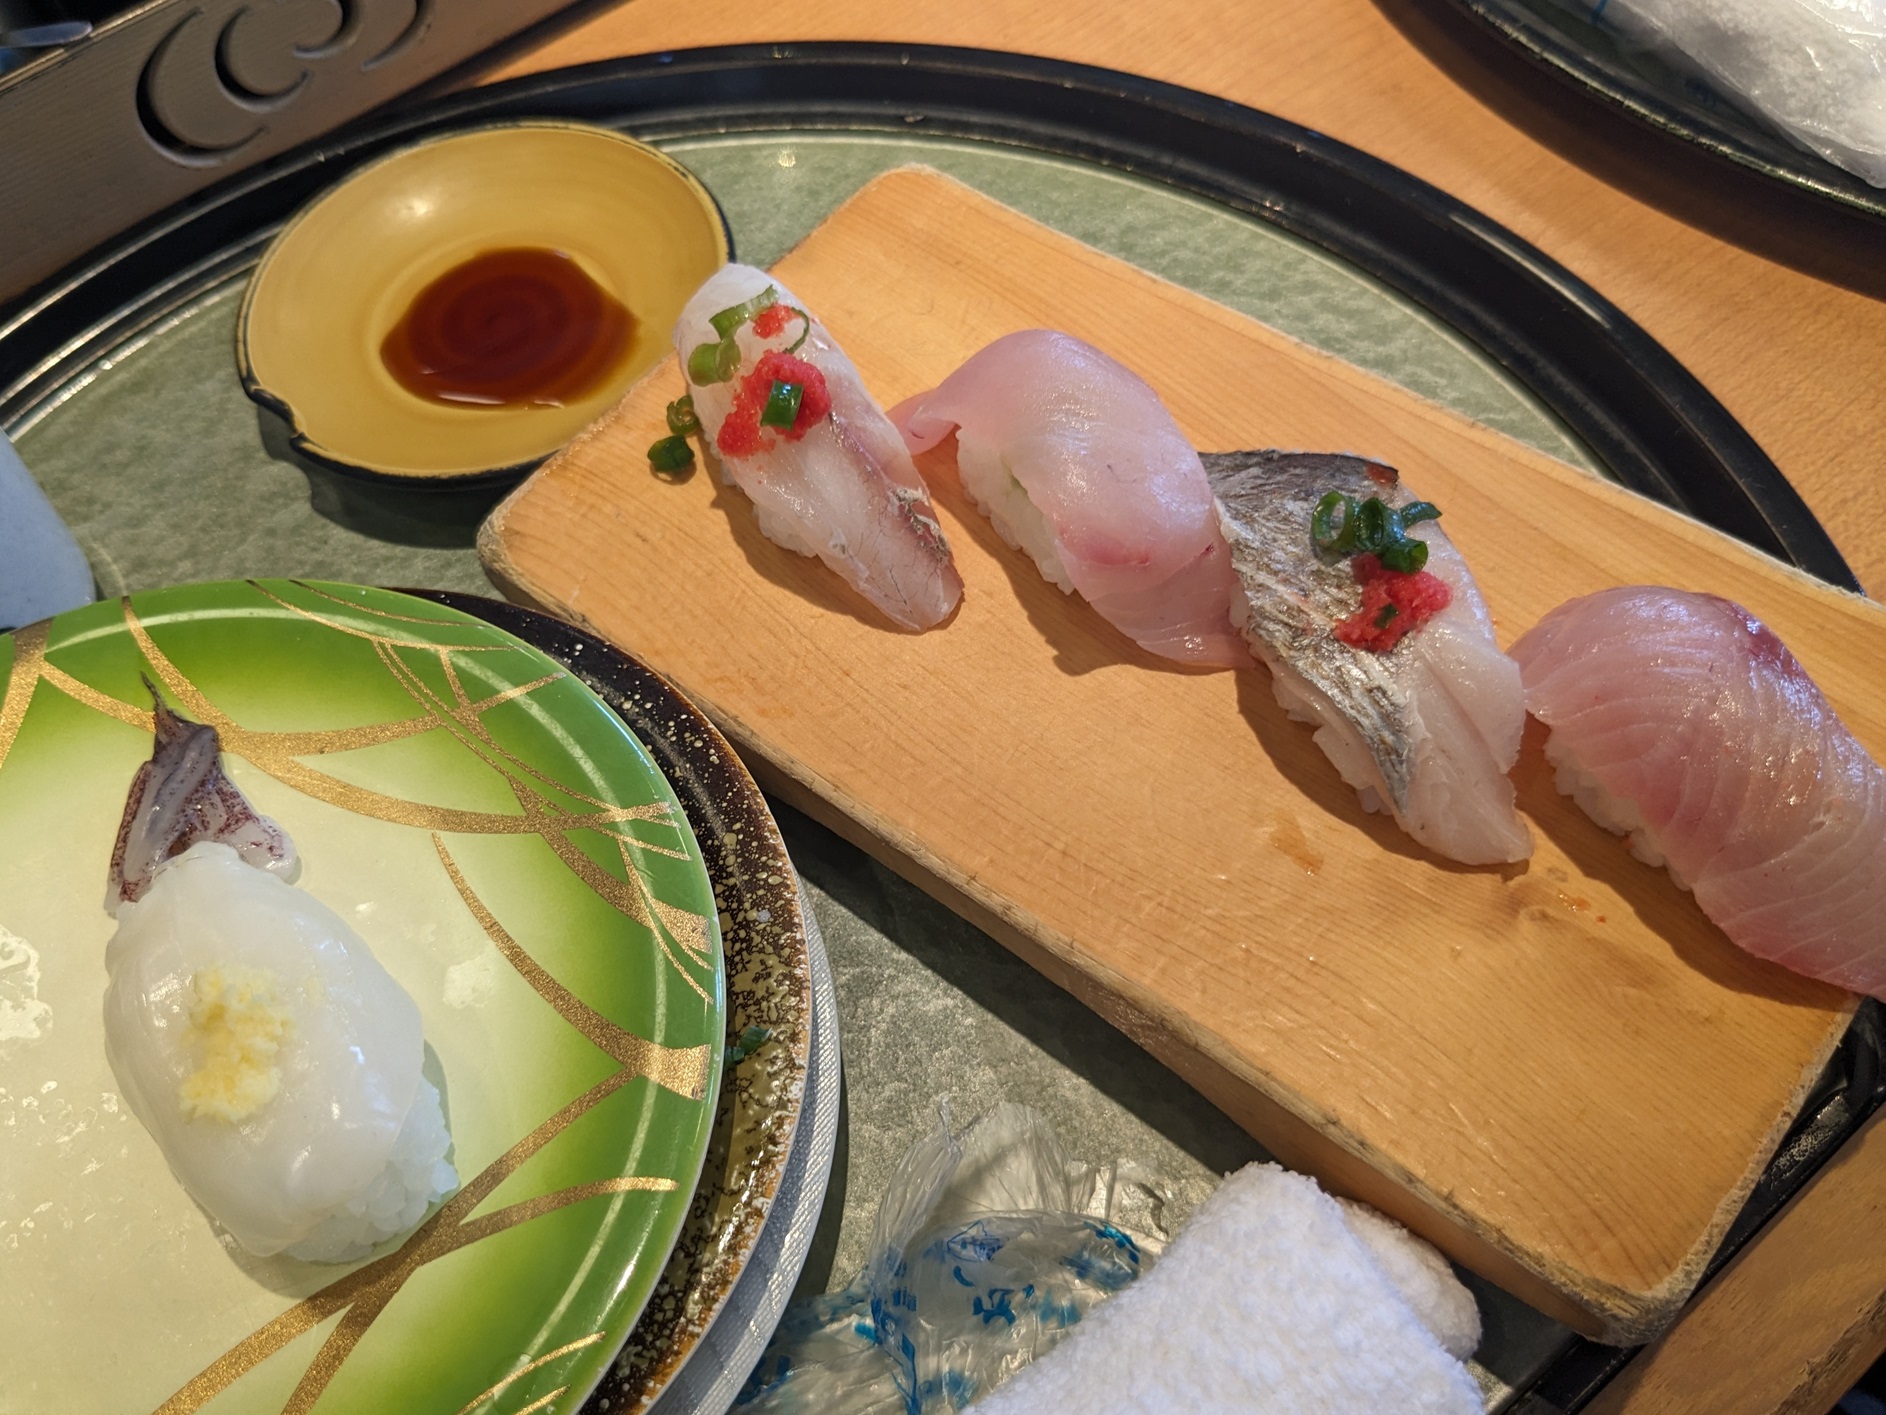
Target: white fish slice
{"x":841,"y":488}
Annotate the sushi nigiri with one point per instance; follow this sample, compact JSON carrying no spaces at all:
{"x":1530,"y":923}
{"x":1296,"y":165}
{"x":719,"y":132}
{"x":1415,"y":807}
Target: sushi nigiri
{"x":1076,"y":461}
{"x":793,"y":427}
{"x":1373,"y":628}
{"x":1681,"y":720}
{"x":253,"y":1033}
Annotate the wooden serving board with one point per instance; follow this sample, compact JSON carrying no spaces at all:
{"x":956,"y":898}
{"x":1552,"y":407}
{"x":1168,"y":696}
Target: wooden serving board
{"x":1560,"y":1072}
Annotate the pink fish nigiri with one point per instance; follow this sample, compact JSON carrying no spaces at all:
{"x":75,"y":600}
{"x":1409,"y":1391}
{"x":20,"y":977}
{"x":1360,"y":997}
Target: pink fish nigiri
{"x":834,"y":481}
{"x":1680,"y":719}
{"x":1076,"y":461}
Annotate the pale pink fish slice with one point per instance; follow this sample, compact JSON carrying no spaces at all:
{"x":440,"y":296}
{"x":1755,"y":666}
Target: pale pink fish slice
{"x":1710,"y":742}
{"x":1075,"y":459}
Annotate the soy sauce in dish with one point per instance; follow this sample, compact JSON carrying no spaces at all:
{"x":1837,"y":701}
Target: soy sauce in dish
{"x":516,"y":327}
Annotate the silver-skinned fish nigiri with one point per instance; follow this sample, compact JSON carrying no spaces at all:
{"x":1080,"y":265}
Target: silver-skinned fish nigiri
{"x":1415,"y":704}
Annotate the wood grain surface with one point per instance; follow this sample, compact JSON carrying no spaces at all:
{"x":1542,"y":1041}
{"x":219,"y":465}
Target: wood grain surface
{"x":1561,"y":1072}
{"x":1778,"y":1330}
{"x":1775,"y":303}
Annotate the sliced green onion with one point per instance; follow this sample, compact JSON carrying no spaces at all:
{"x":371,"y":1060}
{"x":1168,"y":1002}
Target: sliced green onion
{"x":681,"y":416}
{"x":1340,"y":525}
{"x":805,"y":329}
{"x":782,"y":404}
{"x":671,"y":454}
{"x":1375,"y":525}
{"x":1325,"y":531}
{"x":1406,"y":556}
{"x":713,"y":363}
{"x":1387,"y":615}
{"x":734,"y":316}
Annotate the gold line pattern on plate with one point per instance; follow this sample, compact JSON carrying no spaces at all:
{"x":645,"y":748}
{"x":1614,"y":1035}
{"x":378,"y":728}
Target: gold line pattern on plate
{"x":362,"y":1294}
{"x":365,"y":1292}
{"x":378,"y":613}
{"x":341,"y":626}
{"x":538,"y":815}
{"x":29,"y":661}
{"x":682,"y":1070}
{"x":543,"y":1360}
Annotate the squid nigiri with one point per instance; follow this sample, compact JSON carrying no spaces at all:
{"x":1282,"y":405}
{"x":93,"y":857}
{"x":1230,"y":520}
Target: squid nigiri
{"x":1683,"y":721}
{"x":1390,"y":649}
{"x":793,"y":426}
{"x":1074,"y":459}
{"x":252,"y":1032}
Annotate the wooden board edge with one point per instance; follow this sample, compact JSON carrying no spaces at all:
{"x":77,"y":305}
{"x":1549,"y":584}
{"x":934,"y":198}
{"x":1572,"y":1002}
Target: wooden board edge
{"x":1289,"y":1126}
{"x":1690,"y":1272}
{"x":1822,"y":1255}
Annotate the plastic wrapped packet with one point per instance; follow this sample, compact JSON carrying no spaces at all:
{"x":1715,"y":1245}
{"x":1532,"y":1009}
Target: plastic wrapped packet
{"x":988,"y":1248}
{"x":1815,"y":69}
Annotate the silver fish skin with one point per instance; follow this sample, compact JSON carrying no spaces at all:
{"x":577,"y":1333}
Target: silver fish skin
{"x":1426,"y":731}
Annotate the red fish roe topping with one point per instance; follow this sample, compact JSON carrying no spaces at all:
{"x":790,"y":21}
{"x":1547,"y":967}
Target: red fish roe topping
{"x":1393,"y":604}
{"x":774,"y":320}
{"x":741,"y":434}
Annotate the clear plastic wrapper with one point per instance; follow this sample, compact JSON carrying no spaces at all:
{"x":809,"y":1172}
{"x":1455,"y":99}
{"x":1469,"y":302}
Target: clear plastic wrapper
{"x":989,"y":1247}
{"x":1815,"y":69}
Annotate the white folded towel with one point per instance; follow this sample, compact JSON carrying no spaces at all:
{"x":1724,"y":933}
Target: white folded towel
{"x":1274,"y":1298}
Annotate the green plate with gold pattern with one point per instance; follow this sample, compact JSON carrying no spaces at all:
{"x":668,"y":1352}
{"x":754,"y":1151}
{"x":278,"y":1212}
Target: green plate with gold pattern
{"x":516,"y":861}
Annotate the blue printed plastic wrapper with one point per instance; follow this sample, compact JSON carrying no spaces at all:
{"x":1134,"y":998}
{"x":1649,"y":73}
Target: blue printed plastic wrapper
{"x":988,"y":1248}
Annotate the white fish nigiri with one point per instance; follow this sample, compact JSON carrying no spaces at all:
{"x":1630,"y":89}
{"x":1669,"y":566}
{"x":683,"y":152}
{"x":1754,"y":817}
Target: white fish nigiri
{"x":836,"y":483}
{"x":274,"y":1060}
{"x":1682,"y":720}
{"x":1075,"y":460}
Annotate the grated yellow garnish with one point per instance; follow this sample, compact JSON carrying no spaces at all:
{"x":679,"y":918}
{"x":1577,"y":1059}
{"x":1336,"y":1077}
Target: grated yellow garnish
{"x":236,"y":1027}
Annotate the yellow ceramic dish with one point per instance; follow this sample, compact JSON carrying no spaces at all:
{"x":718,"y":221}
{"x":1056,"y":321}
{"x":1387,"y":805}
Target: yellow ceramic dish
{"x":338,"y":278}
